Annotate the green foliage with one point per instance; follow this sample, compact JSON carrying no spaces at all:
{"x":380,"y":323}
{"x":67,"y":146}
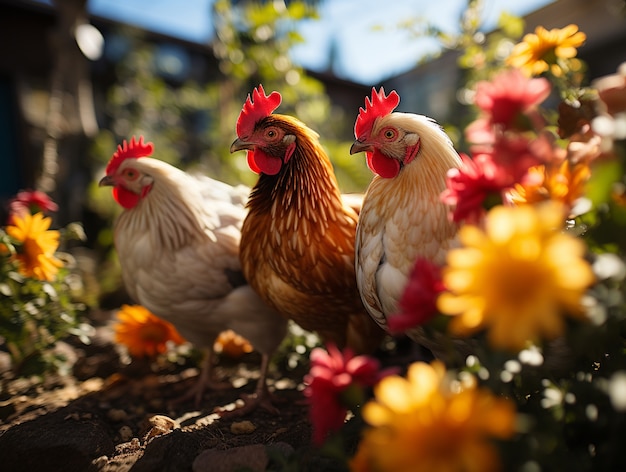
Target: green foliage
{"x":35,"y":314}
{"x":253,"y":39}
{"x":604,"y":175}
{"x":604,"y":225}
{"x":293,"y":353}
{"x":252,"y":44}
{"x":352,"y":173}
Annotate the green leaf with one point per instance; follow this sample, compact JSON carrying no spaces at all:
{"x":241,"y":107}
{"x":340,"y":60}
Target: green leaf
{"x":511,"y":25}
{"x":604,"y":174}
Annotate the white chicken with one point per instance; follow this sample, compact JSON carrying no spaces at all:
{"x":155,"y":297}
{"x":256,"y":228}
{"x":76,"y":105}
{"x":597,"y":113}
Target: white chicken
{"x":402,"y":218}
{"x":178,"y":246}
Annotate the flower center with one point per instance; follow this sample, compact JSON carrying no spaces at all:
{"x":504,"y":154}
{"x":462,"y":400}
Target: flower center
{"x":518,"y":283}
{"x":153,"y":333}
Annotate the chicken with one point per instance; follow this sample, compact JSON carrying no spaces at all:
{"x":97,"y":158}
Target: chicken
{"x":178,"y":245}
{"x":297,"y":241}
{"x":402,"y":217}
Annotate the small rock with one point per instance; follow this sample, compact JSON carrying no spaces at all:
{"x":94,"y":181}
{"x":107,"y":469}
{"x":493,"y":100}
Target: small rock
{"x":100,"y":462}
{"x":161,"y":424}
{"x":164,"y":422}
{"x":117,"y":415}
{"x":128,"y":447}
{"x":242,"y":427}
{"x":119,"y":463}
{"x":126,"y":434}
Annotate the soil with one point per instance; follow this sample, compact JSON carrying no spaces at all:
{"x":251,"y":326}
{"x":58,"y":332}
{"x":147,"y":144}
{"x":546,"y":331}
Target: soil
{"x":107,"y":415}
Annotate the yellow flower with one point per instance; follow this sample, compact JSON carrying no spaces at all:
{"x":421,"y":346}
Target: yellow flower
{"x":421,"y":424}
{"x":539,"y":52}
{"x":35,"y":255}
{"x":517,"y":278}
{"x":144,"y":334}
{"x":561,"y":182}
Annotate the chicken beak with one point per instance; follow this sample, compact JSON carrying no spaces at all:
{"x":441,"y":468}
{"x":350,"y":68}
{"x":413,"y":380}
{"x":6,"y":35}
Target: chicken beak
{"x":107,"y":180}
{"x":240,"y":145}
{"x":360,"y":146}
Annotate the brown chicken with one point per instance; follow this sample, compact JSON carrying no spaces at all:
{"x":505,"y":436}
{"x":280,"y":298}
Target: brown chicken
{"x":297,"y":241}
{"x":178,"y":246}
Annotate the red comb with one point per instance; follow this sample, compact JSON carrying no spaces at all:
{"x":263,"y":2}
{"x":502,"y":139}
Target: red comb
{"x":379,"y":105}
{"x":255,"y":108}
{"x":126,"y":150}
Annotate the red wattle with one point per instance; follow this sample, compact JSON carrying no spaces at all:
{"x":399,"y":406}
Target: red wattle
{"x":251,"y":163}
{"x":125,"y":198}
{"x":266,"y":164}
{"x":368,"y":155}
{"x":382,"y":165}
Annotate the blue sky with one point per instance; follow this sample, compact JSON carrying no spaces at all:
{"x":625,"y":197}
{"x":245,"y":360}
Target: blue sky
{"x":362,"y":54}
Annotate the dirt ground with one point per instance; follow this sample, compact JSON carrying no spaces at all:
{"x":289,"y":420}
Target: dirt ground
{"x":109,"y":416}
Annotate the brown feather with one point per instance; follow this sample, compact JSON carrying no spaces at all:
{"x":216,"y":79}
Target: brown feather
{"x":297,"y":246}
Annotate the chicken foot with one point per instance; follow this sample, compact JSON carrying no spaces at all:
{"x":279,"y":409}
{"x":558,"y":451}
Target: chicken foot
{"x":261,"y":397}
{"x":205,"y":382}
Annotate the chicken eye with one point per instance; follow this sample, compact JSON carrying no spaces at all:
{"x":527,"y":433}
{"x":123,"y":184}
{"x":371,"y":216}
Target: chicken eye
{"x":271,"y":133}
{"x":131,"y":174}
{"x":389,"y":134}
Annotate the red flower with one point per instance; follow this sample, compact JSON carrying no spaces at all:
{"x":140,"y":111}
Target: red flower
{"x":510,"y":97}
{"x":470,"y":185}
{"x":513,"y":155}
{"x":419,"y":299}
{"x":335,"y":383}
{"x":480,"y":132}
{"x":31,"y":202}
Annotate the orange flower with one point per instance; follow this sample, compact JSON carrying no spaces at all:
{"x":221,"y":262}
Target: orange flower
{"x":37,"y":245}
{"x":540,"y":52}
{"x":562,"y":182}
{"x":144,"y":334}
{"x":233,"y":345}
